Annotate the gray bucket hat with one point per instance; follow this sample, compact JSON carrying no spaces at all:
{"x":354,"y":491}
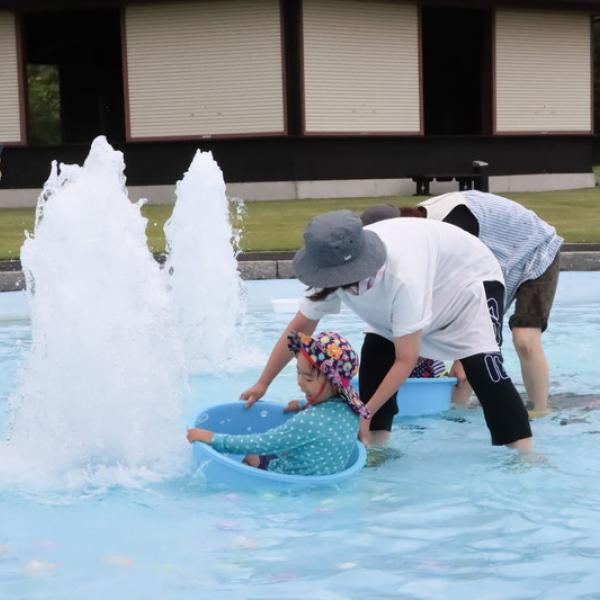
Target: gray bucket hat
{"x":338,"y":251}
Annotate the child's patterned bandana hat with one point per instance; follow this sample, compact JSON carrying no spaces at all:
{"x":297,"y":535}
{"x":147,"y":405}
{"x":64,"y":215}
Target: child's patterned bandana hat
{"x":333,"y":355}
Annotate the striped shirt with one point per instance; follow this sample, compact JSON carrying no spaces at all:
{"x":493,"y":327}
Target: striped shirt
{"x":316,"y":441}
{"x":523,"y":244}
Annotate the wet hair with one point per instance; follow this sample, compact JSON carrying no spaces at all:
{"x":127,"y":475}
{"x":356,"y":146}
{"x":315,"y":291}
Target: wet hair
{"x":413,"y":211}
{"x":382,"y":212}
{"x":326,"y":292}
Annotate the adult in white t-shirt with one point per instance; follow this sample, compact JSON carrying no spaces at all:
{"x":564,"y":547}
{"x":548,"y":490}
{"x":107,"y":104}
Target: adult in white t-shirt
{"x":419,"y":285}
{"x":527,"y":249}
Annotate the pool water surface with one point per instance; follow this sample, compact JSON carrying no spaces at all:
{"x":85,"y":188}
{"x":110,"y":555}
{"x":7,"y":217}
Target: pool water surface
{"x":448,"y":516}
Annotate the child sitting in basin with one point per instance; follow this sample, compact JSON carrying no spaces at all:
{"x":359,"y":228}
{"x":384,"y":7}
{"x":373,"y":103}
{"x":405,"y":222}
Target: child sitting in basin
{"x":321,"y":437}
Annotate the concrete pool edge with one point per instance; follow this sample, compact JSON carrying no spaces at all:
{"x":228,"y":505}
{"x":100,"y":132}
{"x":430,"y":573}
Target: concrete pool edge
{"x":275,"y":268}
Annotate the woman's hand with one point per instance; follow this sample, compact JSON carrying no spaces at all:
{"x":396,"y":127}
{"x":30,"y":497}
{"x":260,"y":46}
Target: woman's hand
{"x":254,"y":393}
{"x":199,"y":435}
{"x":293,"y":406}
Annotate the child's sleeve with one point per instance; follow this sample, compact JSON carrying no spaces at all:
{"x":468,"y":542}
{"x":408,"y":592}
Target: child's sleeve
{"x":293,"y":433}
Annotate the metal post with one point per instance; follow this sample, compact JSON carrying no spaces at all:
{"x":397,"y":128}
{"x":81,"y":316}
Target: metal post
{"x":482,"y":169}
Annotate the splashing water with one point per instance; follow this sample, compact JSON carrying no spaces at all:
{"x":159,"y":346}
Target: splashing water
{"x":99,"y":396}
{"x":202,"y":266}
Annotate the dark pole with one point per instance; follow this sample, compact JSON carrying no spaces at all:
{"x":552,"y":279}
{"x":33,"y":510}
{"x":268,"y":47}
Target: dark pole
{"x":482,"y":169}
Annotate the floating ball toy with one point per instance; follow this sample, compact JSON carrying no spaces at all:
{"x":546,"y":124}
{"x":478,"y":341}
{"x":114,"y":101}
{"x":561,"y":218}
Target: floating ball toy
{"x":228,"y":470}
{"x":38,"y":567}
{"x":117,"y":560}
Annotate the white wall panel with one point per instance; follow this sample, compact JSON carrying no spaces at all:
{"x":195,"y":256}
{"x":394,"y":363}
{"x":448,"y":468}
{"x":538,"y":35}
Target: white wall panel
{"x":10,"y":114}
{"x":361,"y":66}
{"x":543,"y":71}
{"x":204,"y":68}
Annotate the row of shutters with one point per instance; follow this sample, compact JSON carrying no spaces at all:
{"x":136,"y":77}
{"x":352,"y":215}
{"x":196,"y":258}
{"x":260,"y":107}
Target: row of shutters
{"x":215,"y":67}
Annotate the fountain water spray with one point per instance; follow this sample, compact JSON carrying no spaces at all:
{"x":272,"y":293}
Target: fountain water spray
{"x":202,"y":269}
{"x":99,"y":396}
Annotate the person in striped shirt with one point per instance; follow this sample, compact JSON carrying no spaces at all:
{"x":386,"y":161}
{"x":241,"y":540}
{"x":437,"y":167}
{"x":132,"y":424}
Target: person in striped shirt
{"x":422,"y":288}
{"x":527,"y":249}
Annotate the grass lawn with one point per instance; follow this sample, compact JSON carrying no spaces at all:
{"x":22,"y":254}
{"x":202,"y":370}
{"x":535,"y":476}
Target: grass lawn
{"x":13,"y":224}
{"x":278,"y":225}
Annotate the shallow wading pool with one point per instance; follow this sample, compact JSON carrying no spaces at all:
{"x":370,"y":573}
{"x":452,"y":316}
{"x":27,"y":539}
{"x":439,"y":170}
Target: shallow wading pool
{"x":447,"y":517}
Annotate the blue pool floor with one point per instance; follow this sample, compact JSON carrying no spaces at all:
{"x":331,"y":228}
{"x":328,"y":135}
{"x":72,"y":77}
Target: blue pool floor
{"x":448,"y":517}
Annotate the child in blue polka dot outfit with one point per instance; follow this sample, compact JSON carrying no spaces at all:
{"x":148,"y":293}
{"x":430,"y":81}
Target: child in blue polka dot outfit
{"x":320,"y":438}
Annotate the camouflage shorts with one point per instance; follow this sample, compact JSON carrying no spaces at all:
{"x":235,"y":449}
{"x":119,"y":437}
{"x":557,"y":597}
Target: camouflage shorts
{"x":535,"y":298}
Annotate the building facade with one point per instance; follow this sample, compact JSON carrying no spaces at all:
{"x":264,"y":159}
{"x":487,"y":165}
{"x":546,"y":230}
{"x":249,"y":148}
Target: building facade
{"x":301,"y":98}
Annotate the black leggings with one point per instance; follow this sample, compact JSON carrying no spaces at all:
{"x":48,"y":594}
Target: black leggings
{"x":377,"y":356}
{"x":503,"y":408}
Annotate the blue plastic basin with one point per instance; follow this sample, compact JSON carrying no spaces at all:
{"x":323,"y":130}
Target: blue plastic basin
{"x":425,"y":396}
{"x":228,"y":470}
{"x":419,"y":397}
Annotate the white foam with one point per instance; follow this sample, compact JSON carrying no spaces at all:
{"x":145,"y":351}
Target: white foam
{"x":99,"y":395}
{"x":202,"y":270}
